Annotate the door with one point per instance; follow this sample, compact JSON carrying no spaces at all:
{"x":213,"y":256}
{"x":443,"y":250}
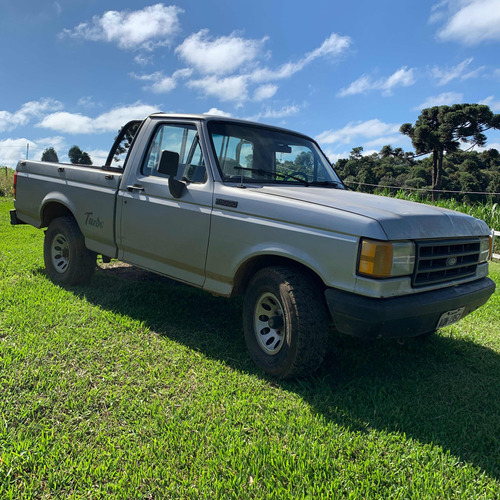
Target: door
{"x":157,"y":231}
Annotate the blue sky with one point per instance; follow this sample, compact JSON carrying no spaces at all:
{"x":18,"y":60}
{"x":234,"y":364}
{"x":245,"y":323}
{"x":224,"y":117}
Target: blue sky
{"x":347,"y":73}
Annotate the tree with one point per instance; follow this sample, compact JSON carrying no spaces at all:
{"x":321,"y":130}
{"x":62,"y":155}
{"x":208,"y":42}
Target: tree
{"x":125,"y":143}
{"x":50,"y":154}
{"x":79,"y":157}
{"x":441,"y":129}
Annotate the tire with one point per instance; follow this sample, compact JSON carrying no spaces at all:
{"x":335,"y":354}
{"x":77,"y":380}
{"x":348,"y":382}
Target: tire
{"x":67,"y":260}
{"x":292,"y":342}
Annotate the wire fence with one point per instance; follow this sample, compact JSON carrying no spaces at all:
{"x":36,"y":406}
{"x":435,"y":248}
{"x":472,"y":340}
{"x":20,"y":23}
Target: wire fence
{"x":495,"y":234}
{"x":424,"y":190}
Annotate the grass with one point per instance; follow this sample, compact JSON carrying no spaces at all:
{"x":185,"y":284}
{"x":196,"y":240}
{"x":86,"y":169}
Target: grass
{"x":137,"y":387}
{"x":6,"y":181}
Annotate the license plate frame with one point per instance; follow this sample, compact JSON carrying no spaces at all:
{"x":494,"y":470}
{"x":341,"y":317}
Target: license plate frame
{"x":450,"y":317}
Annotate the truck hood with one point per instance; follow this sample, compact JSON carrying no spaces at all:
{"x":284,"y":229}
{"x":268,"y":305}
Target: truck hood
{"x":399,"y":219}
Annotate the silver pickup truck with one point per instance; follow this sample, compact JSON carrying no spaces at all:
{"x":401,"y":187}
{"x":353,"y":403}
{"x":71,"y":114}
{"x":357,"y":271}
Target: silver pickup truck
{"x":236,"y":207}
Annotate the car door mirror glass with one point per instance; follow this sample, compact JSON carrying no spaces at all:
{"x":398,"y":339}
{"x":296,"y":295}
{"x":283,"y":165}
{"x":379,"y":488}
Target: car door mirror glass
{"x":169,"y":163}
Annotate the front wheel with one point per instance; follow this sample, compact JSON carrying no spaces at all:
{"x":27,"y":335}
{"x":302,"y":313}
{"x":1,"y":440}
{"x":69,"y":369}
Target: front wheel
{"x":67,"y":260}
{"x":285,"y":322}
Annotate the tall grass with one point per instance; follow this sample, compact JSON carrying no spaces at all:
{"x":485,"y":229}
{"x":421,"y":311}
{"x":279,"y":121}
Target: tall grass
{"x":6,"y":181}
{"x":489,"y":211}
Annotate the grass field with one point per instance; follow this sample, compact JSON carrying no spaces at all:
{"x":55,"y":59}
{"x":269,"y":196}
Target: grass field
{"x":137,"y":387}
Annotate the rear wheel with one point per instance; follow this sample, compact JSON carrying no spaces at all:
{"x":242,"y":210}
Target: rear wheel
{"x":285,"y":321}
{"x":67,"y":260}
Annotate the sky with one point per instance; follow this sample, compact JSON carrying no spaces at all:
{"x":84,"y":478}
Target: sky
{"x":72,"y":72}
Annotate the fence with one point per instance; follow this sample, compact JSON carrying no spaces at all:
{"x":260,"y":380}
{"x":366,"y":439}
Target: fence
{"x":495,"y":256}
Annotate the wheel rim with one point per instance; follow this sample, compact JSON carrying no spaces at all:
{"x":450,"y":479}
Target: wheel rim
{"x":60,"y":253}
{"x":269,"y":324}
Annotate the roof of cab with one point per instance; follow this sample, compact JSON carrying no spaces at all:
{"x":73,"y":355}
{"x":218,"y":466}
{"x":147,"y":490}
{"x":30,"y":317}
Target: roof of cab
{"x":207,"y":118}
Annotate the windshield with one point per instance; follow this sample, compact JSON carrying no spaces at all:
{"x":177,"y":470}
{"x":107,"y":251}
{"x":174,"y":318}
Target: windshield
{"x":252,"y":154}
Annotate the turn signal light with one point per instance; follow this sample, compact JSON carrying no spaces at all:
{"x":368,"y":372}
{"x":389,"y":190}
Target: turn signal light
{"x":386,"y":259}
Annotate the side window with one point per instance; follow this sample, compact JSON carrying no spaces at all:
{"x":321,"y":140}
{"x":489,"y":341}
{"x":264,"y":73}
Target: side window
{"x":233,"y":153}
{"x":181,"y":139}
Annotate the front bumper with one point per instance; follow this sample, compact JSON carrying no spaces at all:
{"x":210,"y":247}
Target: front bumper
{"x":406,"y":316}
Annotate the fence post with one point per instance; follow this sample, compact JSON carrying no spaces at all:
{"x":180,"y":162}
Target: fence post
{"x":494,"y":256}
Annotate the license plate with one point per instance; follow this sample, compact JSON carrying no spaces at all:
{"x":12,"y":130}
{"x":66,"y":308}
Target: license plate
{"x":450,"y":317}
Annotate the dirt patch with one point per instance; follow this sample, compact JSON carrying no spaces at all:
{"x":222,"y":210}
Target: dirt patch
{"x":128,"y":272}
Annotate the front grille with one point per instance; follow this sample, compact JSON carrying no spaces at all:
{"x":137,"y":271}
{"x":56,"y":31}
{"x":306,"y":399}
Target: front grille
{"x":439,"y":261}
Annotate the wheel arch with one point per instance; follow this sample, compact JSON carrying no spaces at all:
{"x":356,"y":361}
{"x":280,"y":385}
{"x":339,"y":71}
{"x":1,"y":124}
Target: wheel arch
{"x":51,"y":209}
{"x":255,"y":264}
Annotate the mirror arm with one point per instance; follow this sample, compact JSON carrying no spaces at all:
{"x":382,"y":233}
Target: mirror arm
{"x":176,"y":187}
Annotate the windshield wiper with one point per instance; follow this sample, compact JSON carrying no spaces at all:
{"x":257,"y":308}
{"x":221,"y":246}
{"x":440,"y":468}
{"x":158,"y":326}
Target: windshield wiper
{"x":334,"y":184}
{"x":261,"y":171}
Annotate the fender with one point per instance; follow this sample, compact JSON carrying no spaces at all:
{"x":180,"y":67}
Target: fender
{"x":47,"y":215}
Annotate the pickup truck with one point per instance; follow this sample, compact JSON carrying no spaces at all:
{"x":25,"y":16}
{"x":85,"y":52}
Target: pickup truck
{"x":240,"y":208}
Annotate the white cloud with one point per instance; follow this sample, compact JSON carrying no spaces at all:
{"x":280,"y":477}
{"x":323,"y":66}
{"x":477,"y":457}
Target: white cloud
{"x":446,"y":75}
{"x":28,"y":111}
{"x":446,"y":98}
{"x":70,"y":123}
{"x":229,"y":66}
{"x":116,"y":118}
{"x":86,"y":102}
{"x":368,"y":129}
{"x":265,"y":92}
{"x":333,"y":46}
{"x":111,"y":121}
{"x":283,"y":112}
{"x":469,"y":22}
{"x":275,"y":114}
{"x":13,"y":150}
{"x":220,"y":56}
{"x":231,"y":88}
{"x":492,"y":145}
{"x":217,"y":112}
{"x":152,"y":26}
{"x":382,"y":141}
{"x":143,"y":60}
{"x":437,"y":12}
{"x":98,"y":156}
{"x":490,"y":101}
{"x":334,"y":157}
{"x":402,"y":77}
{"x":161,"y":84}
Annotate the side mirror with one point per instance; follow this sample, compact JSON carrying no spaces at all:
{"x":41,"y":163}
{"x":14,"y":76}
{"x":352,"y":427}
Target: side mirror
{"x":169,"y":164}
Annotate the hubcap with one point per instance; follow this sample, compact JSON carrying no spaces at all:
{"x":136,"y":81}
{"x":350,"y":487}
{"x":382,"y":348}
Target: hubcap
{"x":269,"y":324}
{"x":60,"y":253}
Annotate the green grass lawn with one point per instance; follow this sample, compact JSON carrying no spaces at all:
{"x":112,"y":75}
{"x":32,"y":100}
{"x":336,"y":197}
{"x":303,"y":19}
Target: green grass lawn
{"x":137,"y":387}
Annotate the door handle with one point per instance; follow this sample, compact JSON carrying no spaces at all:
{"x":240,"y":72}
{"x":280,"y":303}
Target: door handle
{"x":135,"y":187}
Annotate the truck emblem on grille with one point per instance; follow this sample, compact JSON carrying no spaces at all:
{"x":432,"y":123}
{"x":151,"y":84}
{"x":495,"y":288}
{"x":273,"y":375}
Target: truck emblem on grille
{"x":451,"y":261}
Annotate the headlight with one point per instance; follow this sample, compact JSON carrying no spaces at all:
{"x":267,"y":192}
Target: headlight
{"x":485,"y":248}
{"x":385,"y":259}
